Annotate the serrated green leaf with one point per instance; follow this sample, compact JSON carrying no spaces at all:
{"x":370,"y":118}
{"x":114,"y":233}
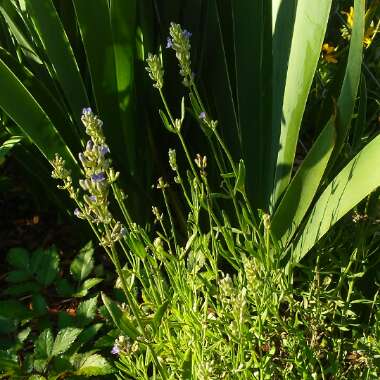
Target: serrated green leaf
{"x":94,"y":365}
{"x":8,"y":361}
{"x":18,"y":276}
{"x":23,"y":334}
{"x":86,"y":335}
{"x":36,"y":377}
{"x":23,"y":288}
{"x":83,"y":263}
{"x":40,"y":364}
{"x":44,"y":345}
{"x":64,"y":339}
{"x":45,"y":265}
{"x":86,"y":286}
{"x":18,"y":258}
{"x":39,"y":304}
{"x":86,"y":311}
{"x":13,"y":309}
{"x":64,"y":288}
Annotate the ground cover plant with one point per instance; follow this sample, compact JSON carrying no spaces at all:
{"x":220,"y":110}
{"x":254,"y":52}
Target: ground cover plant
{"x":261,"y":262}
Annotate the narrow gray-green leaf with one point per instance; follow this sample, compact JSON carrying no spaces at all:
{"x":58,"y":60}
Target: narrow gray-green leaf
{"x":120,"y":321}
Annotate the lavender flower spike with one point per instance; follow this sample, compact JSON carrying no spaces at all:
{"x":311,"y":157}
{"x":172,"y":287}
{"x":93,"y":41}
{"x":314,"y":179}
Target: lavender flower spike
{"x":99,"y":177}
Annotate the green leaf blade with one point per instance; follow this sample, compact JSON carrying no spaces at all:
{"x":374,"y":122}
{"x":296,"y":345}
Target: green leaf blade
{"x":290,"y":93}
{"x":348,"y":188}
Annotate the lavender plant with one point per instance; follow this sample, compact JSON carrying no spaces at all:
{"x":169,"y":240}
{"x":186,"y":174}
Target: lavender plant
{"x":217,"y":303}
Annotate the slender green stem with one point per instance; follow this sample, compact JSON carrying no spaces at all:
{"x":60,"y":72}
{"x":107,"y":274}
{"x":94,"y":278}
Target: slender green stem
{"x":170,"y":219}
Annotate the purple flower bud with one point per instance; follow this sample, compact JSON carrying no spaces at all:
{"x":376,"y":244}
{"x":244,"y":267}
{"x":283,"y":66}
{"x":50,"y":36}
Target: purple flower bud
{"x":202,"y":115}
{"x":92,"y":198}
{"x":115,"y":350}
{"x":82,"y":158}
{"x":99,"y":177}
{"x":169,"y":43}
{"x":77,"y":212}
{"x":187,"y":34}
{"x":89,"y":145}
{"x":103,"y":150}
{"x":86,"y":111}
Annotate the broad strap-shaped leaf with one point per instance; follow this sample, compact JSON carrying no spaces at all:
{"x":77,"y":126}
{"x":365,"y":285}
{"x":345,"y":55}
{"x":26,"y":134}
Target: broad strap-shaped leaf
{"x":59,"y":54}
{"x":18,"y":28}
{"x":123,"y":25}
{"x":20,"y":105}
{"x":253,"y":53}
{"x":351,"y":81}
{"x":347,"y":189}
{"x":302,"y":189}
{"x":47,"y":100}
{"x":292,"y":81}
{"x":98,"y":41}
{"x":215,"y":69}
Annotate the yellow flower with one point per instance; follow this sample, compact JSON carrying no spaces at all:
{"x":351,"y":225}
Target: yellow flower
{"x":328,"y":53}
{"x":369,"y":33}
{"x":350,"y":17}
